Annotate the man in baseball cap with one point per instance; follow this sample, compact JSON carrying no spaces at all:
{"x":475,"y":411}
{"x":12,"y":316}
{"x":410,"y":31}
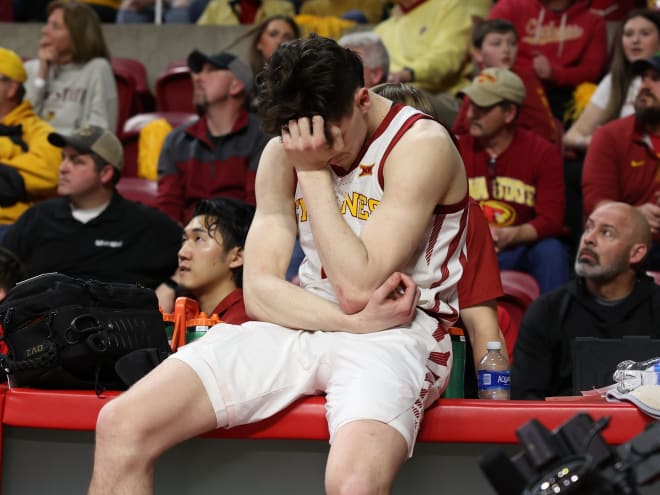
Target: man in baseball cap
{"x":653,"y":62}
{"x":93,"y":139}
{"x":28,"y":163}
{"x":216,"y":155}
{"x":91,"y":231}
{"x":621,"y":161}
{"x":495,"y":85}
{"x":517,"y":177}
{"x":222,"y":61}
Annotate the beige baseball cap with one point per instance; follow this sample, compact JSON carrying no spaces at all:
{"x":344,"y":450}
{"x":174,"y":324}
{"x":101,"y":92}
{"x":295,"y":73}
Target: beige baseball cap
{"x":494,"y":85}
{"x":92,"y":139}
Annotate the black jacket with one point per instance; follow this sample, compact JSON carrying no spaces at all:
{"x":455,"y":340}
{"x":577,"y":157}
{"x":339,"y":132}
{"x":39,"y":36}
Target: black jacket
{"x":128,"y":242}
{"x":542,"y":360}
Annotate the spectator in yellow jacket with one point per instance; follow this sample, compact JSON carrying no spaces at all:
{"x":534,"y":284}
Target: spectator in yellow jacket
{"x":28,"y":162}
{"x":429,"y":46}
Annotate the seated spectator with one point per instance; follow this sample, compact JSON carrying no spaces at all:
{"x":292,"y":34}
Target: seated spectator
{"x":610,"y":298}
{"x":11,"y":271}
{"x":174,"y":11}
{"x":71,"y":83}
{"x":28,"y":162}
{"x":361,"y":11}
{"x":218,"y":154}
{"x":480,"y":284}
{"x":270,"y":34}
{"x":561,"y":40}
{"x":638,"y":38}
{"x":517,"y":179}
{"x":91,"y":231}
{"x":428,"y":43}
{"x":495,"y":44}
{"x":211,"y":257}
{"x":622,"y":160}
{"x":245,"y":11}
{"x":372,"y":52}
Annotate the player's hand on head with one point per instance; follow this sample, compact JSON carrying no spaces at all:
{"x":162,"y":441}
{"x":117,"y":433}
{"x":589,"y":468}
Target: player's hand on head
{"x":307,"y":145}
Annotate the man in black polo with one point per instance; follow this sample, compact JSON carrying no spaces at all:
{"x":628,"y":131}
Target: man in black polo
{"x":90,"y":231}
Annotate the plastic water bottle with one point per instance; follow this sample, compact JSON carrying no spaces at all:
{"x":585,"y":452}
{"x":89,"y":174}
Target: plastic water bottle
{"x":494,"y":377}
{"x":630,"y":375}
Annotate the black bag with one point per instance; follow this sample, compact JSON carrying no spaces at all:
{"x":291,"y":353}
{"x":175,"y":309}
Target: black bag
{"x":65,"y":332}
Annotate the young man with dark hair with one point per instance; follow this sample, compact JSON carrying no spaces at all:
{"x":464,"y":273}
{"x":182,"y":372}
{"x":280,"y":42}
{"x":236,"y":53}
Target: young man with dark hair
{"x":211,"y":257}
{"x":383,"y":251}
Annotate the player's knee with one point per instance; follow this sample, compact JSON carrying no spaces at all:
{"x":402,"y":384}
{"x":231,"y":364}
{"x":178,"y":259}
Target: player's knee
{"x":353,"y":483}
{"x":118,"y":429}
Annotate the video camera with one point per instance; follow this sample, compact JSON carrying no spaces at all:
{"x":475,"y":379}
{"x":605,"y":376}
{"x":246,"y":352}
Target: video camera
{"x":574,"y":459}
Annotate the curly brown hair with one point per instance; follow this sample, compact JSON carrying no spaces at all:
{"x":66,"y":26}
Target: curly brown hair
{"x":306,"y":77}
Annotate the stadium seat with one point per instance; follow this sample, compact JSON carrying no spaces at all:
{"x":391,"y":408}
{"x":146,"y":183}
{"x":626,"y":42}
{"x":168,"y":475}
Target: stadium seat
{"x":132,"y":88}
{"x":131,"y":133}
{"x":141,"y":190}
{"x":655,"y":276}
{"x":520,"y":289}
{"x":174,"y":89}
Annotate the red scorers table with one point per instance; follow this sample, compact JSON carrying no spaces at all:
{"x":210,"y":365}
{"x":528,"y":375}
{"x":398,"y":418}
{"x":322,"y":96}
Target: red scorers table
{"x":48,"y":445}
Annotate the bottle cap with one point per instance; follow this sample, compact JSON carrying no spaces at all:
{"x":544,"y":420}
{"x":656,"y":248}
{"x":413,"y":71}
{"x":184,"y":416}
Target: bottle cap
{"x":494,"y":345}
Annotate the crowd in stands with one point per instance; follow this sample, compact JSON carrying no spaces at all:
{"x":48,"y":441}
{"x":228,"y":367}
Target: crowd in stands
{"x":504,"y":76}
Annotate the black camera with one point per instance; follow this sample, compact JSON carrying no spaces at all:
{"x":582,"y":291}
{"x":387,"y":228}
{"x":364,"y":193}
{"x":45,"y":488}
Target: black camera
{"x":574,"y":459}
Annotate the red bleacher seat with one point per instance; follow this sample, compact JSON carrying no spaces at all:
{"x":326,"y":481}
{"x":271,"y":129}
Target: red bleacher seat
{"x":174,"y":89}
{"x":131,"y":131}
{"x":137,"y":189}
{"x":132,"y":88}
{"x":520,"y":289}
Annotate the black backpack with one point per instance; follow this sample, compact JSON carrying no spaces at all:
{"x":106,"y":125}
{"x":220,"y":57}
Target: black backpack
{"x":65,"y":332}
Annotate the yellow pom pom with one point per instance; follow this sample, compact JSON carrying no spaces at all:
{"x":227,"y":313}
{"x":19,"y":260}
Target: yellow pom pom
{"x":581,"y":98}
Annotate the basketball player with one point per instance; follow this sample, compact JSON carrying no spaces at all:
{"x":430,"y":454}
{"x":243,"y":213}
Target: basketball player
{"x":378,"y":195}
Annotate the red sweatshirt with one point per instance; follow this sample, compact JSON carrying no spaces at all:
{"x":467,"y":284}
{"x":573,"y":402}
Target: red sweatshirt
{"x":620,"y":165}
{"x":232,"y":308}
{"x":575,"y":40}
{"x":535,"y":114}
{"x":524,"y":184}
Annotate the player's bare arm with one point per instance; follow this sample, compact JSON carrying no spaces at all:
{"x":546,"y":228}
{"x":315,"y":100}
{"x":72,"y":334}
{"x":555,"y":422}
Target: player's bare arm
{"x":422,"y":171}
{"x":269,"y":297}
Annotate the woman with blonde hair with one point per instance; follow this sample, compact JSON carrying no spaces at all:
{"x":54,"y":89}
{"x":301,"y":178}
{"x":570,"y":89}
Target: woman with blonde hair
{"x":70,"y":83}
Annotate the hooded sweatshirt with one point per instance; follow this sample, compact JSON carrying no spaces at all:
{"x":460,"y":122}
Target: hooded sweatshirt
{"x":575,"y":40}
{"x":542,"y":359}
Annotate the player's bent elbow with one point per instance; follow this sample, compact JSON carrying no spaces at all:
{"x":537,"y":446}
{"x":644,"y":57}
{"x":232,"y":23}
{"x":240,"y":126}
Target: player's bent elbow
{"x":352,"y":303}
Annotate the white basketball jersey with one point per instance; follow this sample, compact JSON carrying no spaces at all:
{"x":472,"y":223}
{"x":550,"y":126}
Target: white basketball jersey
{"x":435,"y":267}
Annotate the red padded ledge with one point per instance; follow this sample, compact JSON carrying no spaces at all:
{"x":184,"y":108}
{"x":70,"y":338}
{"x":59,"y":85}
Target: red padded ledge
{"x":452,"y":420}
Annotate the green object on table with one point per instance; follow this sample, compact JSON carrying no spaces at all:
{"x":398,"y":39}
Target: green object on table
{"x":455,"y":389}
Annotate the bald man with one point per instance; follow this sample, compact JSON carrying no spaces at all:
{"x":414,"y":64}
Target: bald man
{"x":610,"y":297}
